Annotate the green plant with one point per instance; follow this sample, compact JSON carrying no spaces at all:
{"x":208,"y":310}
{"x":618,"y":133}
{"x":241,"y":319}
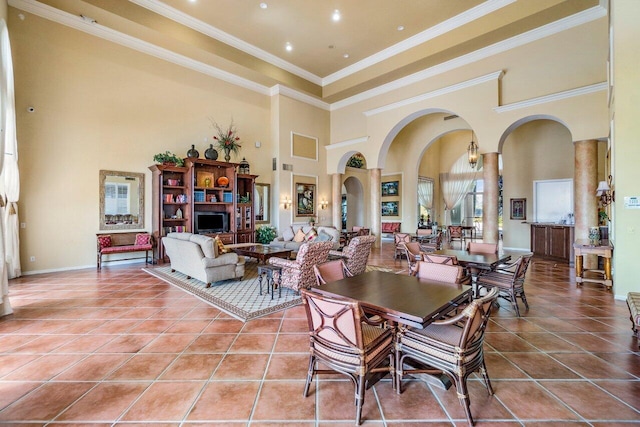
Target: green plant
{"x":168,"y":157}
{"x":265,"y":234}
{"x":603,"y":217}
{"x":356,"y":161}
{"x":227,"y":139}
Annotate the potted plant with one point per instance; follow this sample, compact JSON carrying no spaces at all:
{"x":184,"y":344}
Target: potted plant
{"x":168,"y":158}
{"x":265,"y":234}
{"x":227,"y":139}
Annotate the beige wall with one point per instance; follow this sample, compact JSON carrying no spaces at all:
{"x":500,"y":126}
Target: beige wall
{"x":626,"y":149}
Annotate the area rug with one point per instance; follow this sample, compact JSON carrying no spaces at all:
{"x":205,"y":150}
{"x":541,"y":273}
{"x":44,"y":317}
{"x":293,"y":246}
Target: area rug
{"x":238,"y":298}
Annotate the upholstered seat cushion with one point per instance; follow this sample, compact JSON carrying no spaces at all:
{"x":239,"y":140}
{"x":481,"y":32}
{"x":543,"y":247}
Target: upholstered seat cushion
{"x":633,"y":300}
{"x":126,"y":248}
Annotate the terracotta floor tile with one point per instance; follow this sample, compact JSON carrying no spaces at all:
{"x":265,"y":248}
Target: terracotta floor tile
{"x":541,"y":366}
{"x":529,"y":401}
{"x":84,"y":344}
{"x":188,"y":326}
{"x":298,"y":343}
{"x":11,"y":362}
{"x":192,"y":367}
{"x":253,"y":343}
{"x":170,"y":343}
{"x":591,"y":367}
{"x":12,"y":391}
{"x":142,"y":367}
{"x":590,"y":401}
{"x":94,"y":367}
{"x":46,"y":402}
{"x":288,"y":367}
{"x":547,"y":342}
{"x":507,"y":342}
{"x":165,"y":401}
{"x":416,"y":402}
{"x":127,"y":344}
{"x":43,"y":368}
{"x":211,"y":343}
{"x":283,"y":400}
{"x":233,"y":401}
{"x":107,"y":401}
{"x":242,"y":367}
{"x":262,"y":326}
{"x":230,"y":326}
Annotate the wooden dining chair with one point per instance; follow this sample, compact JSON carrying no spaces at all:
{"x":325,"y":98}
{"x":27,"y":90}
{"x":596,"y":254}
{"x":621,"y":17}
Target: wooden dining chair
{"x":399,"y":239}
{"x":331,"y":271}
{"x":455,"y":233}
{"x":482,"y":248}
{"x":453,"y":347}
{"x":439,"y":272}
{"x":343,"y":340}
{"x":439,"y":259}
{"x":509,"y":280}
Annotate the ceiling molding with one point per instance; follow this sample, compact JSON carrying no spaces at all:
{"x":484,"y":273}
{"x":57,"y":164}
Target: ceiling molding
{"x":420,"y":38}
{"x":347,"y":143}
{"x":95,"y":29}
{"x":435,"y":93}
{"x":297,"y":95}
{"x":174,"y":14}
{"x":597,"y":87}
{"x":564,"y":24}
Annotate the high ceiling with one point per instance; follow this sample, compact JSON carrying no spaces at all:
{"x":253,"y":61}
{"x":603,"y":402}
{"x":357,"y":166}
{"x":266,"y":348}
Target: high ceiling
{"x":329,"y":60}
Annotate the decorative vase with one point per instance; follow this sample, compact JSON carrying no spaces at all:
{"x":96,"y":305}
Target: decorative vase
{"x":594,"y":236}
{"x":211,"y":153}
{"x":193,"y":153}
{"x":227,"y":153}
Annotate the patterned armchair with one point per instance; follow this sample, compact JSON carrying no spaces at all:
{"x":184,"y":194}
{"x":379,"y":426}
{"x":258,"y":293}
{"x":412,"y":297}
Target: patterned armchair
{"x":298,"y":274}
{"x":356,"y":254}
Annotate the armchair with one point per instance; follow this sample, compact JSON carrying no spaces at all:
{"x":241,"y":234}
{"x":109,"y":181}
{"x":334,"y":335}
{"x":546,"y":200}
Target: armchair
{"x":356,"y":254}
{"x":509,"y":280}
{"x":399,"y":239}
{"x":434,"y":244}
{"x":298,"y":274}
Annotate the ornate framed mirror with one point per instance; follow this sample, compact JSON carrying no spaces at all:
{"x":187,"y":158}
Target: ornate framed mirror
{"x":262,"y":203}
{"x":121,"y":200}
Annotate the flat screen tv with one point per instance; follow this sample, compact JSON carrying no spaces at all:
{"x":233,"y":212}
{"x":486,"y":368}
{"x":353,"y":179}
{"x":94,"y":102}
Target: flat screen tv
{"x":211,"y":222}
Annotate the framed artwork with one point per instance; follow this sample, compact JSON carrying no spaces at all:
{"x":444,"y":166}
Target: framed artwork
{"x":519,"y":209}
{"x":305,"y":199}
{"x":389,"y":208}
{"x":390,"y":188}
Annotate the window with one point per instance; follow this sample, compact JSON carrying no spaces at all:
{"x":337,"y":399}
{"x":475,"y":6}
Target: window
{"x":425,"y":198}
{"x":116,"y":199}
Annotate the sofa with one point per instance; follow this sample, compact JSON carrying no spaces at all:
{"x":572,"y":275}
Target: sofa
{"x":197,"y":256}
{"x":298,"y":233}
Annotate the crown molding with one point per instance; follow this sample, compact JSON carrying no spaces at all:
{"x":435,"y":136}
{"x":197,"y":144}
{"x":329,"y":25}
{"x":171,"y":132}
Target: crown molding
{"x":420,"y":38}
{"x":175,"y":15}
{"x":435,"y":93}
{"x":347,"y":143}
{"x":564,"y":24}
{"x":95,"y":29}
{"x":297,"y":95}
{"x":597,"y":87}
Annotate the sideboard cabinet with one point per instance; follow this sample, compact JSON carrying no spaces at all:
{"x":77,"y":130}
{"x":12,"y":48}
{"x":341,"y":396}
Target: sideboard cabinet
{"x":553,"y":241}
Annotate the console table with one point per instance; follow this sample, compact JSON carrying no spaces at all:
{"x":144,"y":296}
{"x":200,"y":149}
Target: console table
{"x":604,"y":250}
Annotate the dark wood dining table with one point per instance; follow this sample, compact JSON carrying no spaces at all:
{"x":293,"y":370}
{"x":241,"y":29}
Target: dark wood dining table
{"x":399,"y":298}
{"x":476,"y":259}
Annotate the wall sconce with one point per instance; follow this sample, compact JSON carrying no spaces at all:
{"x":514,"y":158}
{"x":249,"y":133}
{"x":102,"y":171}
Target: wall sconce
{"x":323,"y":204}
{"x":472,"y":153}
{"x":604,"y":191}
{"x":286,"y":202}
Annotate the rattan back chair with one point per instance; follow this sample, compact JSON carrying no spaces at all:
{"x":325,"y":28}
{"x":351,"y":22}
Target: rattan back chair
{"x":447,"y":273}
{"x":343,"y":340}
{"x":482,"y":248}
{"x":509,"y":280}
{"x":453,"y":346}
{"x":440,"y":259}
{"x":399,"y":239}
{"x":331,"y":271}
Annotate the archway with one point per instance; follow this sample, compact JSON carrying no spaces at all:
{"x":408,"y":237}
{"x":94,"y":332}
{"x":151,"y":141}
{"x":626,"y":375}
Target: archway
{"x":353,"y":202}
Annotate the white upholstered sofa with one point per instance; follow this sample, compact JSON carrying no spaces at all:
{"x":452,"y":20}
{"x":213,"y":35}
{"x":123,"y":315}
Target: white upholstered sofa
{"x":322,"y":233}
{"x":197,"y":256}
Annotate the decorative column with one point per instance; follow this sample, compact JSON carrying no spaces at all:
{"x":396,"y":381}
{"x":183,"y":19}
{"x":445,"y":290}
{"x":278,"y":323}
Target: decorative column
{"x":490,"y":175}
{"x":375,"y":180}
{"x":585,"y":203}
{"x":336,"y":200}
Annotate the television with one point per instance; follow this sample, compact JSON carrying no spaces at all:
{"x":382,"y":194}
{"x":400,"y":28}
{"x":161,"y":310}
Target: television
{"x":211,"y":222}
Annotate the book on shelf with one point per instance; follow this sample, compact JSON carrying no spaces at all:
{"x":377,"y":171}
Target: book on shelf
{"x":174,"y":229}
{"x":198,"y":196}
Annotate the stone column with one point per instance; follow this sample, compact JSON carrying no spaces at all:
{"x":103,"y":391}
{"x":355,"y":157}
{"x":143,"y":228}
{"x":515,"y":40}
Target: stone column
{"x":490,"y":174}
{"x":336,"y":200}
{"x":585,"y":203}
{"x":375,"y":181}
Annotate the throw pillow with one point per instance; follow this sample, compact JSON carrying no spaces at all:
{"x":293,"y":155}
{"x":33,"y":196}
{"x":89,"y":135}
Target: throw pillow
{"x":288,"y":234}
{"x":299,"y":238}
{"x":143,"y":239}
{"x":221,"y":247}
{"x":311,"y":235}
{"x":104,"y":241}
{"x":323,"y":236}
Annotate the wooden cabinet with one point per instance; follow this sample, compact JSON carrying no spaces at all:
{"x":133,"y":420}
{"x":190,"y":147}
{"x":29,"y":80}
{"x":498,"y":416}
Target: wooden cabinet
{"x":171,"y":207}
{"x":552,"y":241}
{"x":182,"y":196}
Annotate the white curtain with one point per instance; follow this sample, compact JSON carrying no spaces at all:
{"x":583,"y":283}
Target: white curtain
{"x":425,"y":192}
{"x":9,"y":177}
{"x":456,"y":183}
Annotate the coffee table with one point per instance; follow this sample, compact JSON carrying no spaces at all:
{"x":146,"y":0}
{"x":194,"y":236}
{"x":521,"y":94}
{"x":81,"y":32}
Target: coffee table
{"x":263,"y":252}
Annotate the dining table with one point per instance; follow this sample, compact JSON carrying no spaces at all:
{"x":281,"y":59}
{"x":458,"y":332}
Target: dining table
{"x":399,"y":298}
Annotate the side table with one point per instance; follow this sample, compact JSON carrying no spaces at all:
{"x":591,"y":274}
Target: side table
{"x":268,"y":270}
{"x":604,"y":250}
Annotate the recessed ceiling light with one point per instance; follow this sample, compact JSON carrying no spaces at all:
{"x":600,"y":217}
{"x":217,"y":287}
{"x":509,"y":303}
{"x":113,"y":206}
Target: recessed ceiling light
{"x":288,"y":47}
{"x":400,"y":27}
{"x":336,"y":15}
{"x":346,"y":55}
{"x":263,"y":5}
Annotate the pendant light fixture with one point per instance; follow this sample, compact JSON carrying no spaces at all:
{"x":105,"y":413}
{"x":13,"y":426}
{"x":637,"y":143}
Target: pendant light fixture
{"x":472,"y":153}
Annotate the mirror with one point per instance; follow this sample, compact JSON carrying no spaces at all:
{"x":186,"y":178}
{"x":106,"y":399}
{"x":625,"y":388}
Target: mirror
{"x":121,"y":200}
{"x":261,"y":203}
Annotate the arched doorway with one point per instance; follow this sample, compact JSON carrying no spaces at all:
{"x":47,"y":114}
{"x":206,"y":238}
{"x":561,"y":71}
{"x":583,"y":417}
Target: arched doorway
{"x":353,"y":210}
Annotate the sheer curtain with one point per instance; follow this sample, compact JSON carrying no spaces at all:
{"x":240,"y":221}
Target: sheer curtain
{"x":9,"y":178}
{"x":425,"y":192}
{"x":456,"y":183}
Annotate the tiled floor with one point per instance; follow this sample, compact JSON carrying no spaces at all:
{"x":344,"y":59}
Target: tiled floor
{"x":120,"y":347}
